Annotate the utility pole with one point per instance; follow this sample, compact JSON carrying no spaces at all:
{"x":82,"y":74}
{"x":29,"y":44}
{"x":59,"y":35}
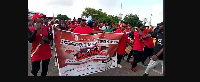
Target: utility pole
{"x":150,"y":22}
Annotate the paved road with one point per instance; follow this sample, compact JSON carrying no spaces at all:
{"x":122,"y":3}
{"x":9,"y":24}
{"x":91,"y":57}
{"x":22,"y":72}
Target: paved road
{"x":124,"y":71}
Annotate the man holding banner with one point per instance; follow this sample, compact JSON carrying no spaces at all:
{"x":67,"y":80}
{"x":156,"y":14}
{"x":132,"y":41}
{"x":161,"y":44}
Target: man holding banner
{"x":122,"y":43}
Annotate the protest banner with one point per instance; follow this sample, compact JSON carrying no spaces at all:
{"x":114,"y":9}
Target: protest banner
{"x":82,"y":54}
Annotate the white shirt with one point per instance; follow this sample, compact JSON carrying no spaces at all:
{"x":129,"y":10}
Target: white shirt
{"x":104,"y":27}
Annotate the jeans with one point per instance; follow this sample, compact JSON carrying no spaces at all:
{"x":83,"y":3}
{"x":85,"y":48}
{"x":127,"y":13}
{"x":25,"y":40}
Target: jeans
{"x":36,"y":67}
{"x":152,"y":64}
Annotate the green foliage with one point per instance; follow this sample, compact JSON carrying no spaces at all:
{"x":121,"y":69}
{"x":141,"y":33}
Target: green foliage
{"x":100,"y":16}
{"x":131,"y":19}
{"x":62,"y":17}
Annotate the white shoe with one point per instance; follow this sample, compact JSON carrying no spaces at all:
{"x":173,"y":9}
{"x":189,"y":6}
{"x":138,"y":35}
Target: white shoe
{"x":56,"y":64}
{"x":120,"y":66}
{"x":51,"y":48}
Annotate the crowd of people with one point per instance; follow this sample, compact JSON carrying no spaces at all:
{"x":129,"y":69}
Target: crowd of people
{"x":140,"y":39}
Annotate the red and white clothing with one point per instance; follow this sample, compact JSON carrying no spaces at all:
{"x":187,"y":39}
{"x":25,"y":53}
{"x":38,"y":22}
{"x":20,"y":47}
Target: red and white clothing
{"x":40,"y":51}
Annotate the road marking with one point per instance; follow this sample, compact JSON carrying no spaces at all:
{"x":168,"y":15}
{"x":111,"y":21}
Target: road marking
{"x":152,"y":69}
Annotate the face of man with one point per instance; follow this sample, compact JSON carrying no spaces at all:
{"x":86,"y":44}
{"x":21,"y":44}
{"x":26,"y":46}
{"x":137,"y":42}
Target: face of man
{"x":161,"y":27}
{"x":46,"y":20}
{"x":83,"y":23}
{"x":142,"y":28}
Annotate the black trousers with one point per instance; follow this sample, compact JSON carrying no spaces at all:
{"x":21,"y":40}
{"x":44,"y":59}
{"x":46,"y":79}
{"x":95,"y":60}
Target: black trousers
{"x":138,"y":56}
{"x":119,"y":58}
{"x":129,"y":55}
{"x":51,"y":43}
{"x":147,"y":52}
{"x":36,"y":67}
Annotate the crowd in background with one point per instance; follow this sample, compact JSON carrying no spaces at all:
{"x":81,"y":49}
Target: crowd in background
{"x":139,"y":38}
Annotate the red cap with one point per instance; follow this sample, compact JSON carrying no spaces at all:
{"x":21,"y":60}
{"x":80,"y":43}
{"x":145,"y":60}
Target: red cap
{"x":56,"y":20}
{"x":37,"y":15}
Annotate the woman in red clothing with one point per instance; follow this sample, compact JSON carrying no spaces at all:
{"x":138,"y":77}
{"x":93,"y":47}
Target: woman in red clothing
{"x":40,"y":38}
{"x":95,"y":27}
{"x":149,"y":45}
{"x":63,"y":25}
{"x":138,"y":46}
{"x":122,"y":44}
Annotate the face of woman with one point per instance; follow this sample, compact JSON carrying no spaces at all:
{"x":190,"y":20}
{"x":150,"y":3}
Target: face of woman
{"x":62,"y":24}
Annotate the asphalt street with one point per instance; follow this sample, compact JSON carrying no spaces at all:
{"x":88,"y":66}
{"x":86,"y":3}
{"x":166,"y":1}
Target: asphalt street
{"x":124,"y":71}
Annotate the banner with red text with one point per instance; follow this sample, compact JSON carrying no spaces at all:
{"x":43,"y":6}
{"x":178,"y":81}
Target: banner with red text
{"x":82,"y":54}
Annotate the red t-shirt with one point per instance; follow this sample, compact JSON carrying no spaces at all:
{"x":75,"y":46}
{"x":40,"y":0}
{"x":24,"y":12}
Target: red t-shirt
{"x":74,"y":19}
{"x":148,"y":41}
{"x":40,"y":51}
{"x":128,"y":30}
{"x":72,"y":26}
{"x":50,"y":27}
{"x":122,"y":43}
{"x":83,"y":30}
{"x":138,"y":44}
{"x":96,"y":28}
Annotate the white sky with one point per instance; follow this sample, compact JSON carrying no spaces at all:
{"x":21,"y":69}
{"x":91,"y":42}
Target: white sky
{"x":74,"y":8}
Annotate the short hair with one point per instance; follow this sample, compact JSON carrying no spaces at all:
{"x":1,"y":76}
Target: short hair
{"x":140,"y":25}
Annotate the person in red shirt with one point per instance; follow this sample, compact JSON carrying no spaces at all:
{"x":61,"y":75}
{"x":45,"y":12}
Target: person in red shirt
{"x":128,"y":28}
{"x":74,"y":19}
{"x":84,"y":29}
{"x":138,"y":46}
{"x":149,"y":45}
{"x":95,"y":27}
{"x":72,"y":26}
{"x":40,"y":38}
{"x":122,"y":44}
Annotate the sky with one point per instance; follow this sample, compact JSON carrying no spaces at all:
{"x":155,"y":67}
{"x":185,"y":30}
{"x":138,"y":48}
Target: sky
{"x":74,"y":8}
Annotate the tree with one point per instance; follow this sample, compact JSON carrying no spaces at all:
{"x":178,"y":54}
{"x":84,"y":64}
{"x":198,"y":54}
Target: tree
{"x":100,"y":16}
{"x":131,"y":19}
{"x":62,"y":17}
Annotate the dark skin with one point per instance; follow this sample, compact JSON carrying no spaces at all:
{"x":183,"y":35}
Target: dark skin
{"x":83,"y":23}
{"x":155,"y":57}
{"x":62,"y":24}
{"x":149,"y":34}
{"x":132,"y":30}
{"x":46,"y":21}
{"x":123,"y":27}
{"x":141,"y":29}
{"x":38,"y":26}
